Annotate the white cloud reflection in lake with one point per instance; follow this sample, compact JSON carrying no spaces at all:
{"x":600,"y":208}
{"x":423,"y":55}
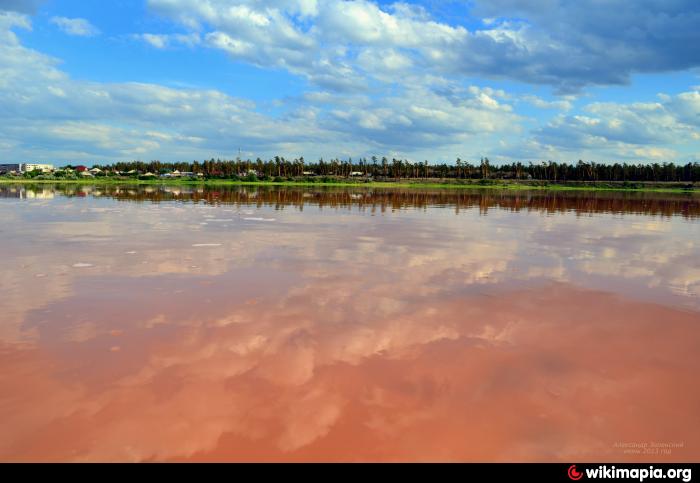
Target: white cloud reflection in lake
{"x":355,"y":326}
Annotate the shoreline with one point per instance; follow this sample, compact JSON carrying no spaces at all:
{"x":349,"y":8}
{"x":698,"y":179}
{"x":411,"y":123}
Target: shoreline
{"x":498,"y":185}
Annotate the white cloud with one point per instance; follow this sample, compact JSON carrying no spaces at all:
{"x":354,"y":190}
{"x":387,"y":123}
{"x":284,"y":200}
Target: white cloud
{"x":572,"y":44}
{"x":162,"y":41}
{"x":157,"y":41}
{"x":615,"y":131}
{"x":365,"y":23}
{"x":383,"y":81}
{"x":560,"y":104}
{"x":327,"y":42}
{"x":75,"y":26}
{"x":48,"y":115}
{"x":568,"y":45}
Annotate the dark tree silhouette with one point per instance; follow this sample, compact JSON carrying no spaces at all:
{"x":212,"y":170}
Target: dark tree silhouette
{"x":397,"y":168}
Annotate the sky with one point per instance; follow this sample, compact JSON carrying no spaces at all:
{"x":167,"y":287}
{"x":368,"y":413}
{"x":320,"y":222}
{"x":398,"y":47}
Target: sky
{"x":511,"y":80}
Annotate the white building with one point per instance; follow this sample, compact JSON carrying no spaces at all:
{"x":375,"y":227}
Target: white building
{"x":44,"y":168}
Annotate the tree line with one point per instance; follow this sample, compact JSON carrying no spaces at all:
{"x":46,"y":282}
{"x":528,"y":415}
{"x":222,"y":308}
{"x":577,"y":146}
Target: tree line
{"x":384,"y":168}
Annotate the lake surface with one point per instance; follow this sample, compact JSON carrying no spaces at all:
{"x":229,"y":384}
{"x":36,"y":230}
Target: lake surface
{"x":248,"y":324}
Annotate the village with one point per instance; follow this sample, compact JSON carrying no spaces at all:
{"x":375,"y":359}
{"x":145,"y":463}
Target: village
{"x":50,"y":172}
{"x":36,"y":169}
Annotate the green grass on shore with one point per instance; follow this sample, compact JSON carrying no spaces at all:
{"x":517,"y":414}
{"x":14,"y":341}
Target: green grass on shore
{"x":498,"y":185}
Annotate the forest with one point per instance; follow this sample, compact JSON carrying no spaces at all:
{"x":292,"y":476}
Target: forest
{"x":384,"y":168}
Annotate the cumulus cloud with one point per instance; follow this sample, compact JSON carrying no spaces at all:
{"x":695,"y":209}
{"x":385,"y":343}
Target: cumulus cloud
{"x":562,"y":43}
{"x":327,"y":42}
{"x":42,"y":107}
{"x":570,"y":44}
{"x":162,"y":41}
{"x":382,"y":79}
{"x":48,"y":115}
{"x":636,"y":130}
{"x":78,"y":27}
{"x":431,"y":118}
{"x":562,"y":104}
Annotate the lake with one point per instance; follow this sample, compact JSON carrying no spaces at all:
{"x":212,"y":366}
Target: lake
{"x":142,"y":323}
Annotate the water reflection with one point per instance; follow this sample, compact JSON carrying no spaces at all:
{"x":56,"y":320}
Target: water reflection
{"x":584,"y":202}
{"x":369,"y":325}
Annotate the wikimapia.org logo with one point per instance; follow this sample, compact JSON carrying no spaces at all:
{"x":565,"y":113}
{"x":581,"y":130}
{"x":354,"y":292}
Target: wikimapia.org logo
{"x":574,"y":474}
{"x":639,"y":474}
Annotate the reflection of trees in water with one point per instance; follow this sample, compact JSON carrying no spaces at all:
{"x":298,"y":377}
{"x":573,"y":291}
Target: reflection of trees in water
{"x":373,"y":199}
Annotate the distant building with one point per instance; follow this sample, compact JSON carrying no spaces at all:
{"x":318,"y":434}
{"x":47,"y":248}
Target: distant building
{"x":25,"y":167}
{"x":176,"y":174}
{"x":81,"y":168}
{"x":357,"y":173}
{"x":10,"y":168}
{"x":45,"y":168}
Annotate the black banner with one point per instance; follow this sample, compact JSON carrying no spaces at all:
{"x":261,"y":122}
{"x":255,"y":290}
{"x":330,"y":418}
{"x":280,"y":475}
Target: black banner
{"x":535,"y":472}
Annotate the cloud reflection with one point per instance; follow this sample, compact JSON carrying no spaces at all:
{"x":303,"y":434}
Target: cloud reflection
{"x":421,"y":334}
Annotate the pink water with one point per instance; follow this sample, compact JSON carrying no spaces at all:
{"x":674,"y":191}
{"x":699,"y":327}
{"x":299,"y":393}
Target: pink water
{"x":308,"y":325}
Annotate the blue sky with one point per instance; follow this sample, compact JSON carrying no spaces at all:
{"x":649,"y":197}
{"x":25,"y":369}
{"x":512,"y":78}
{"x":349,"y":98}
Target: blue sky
{"x":604,"y":80}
